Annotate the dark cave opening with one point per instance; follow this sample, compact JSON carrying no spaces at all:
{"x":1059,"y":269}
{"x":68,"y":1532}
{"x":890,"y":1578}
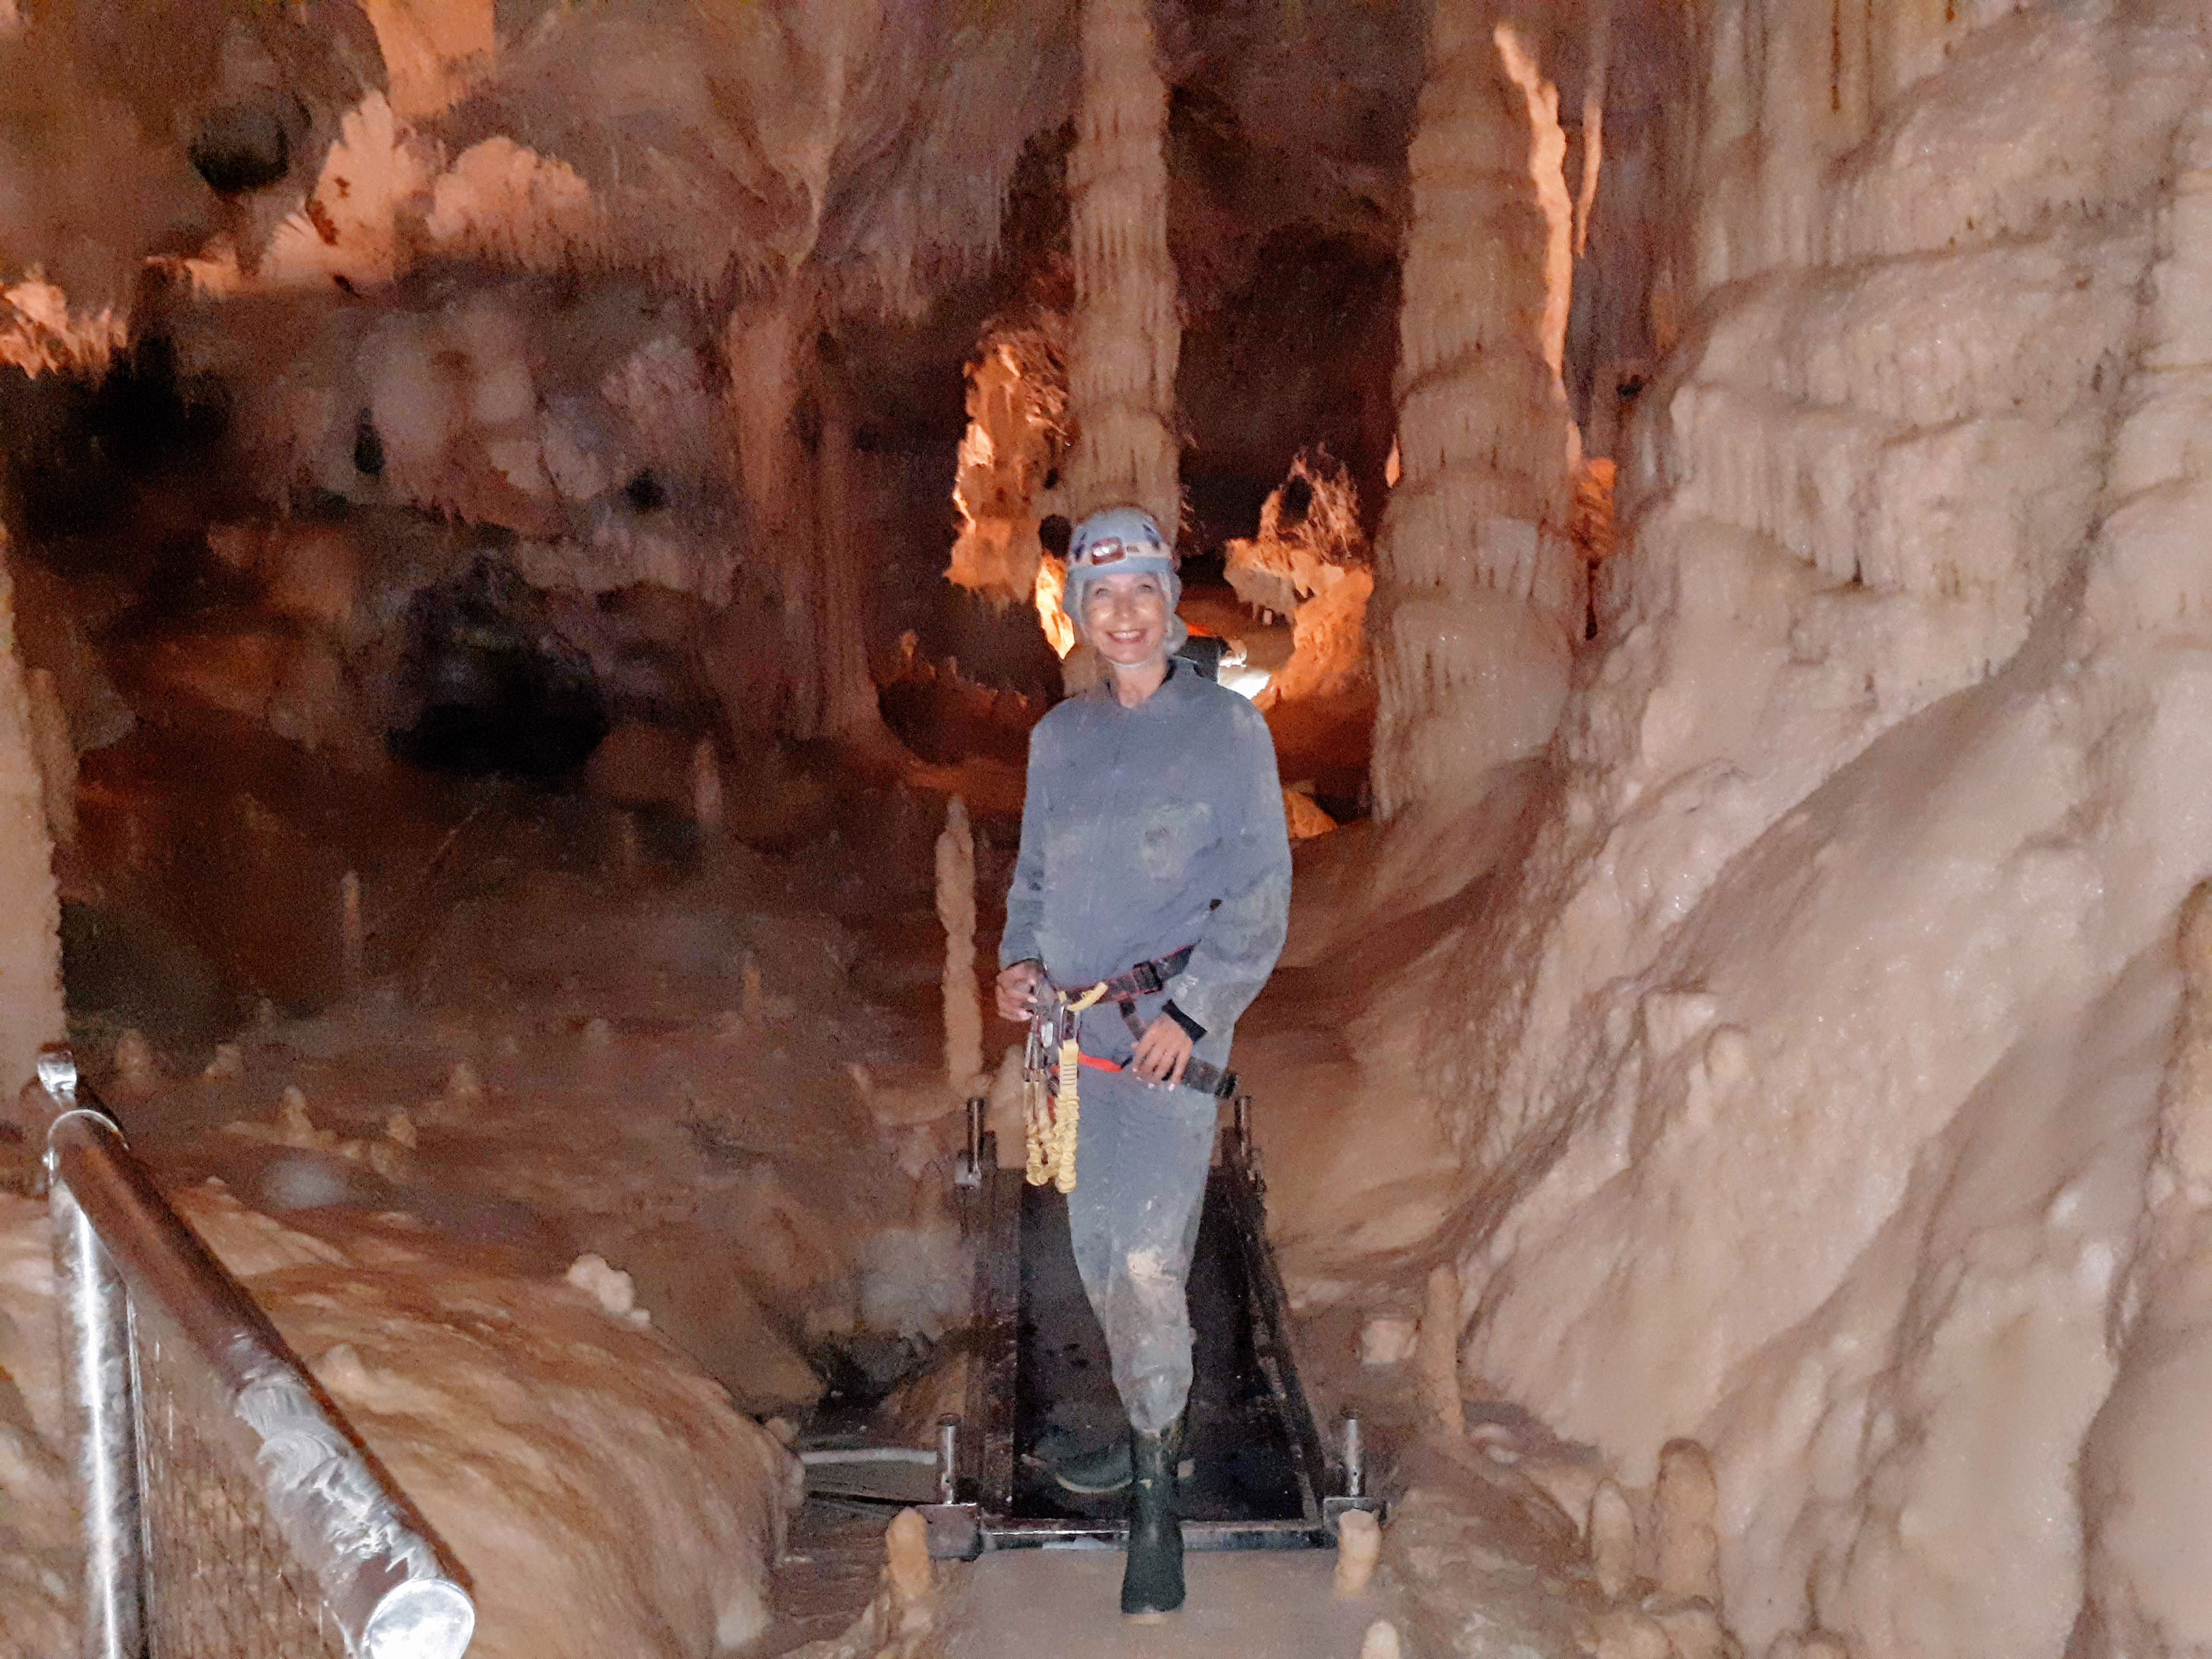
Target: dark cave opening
{"x":494,"y":689}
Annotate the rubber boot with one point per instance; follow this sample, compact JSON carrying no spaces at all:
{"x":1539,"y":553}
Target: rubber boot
{"x":1105,"y":1470}
{"x":1152,"y":1582}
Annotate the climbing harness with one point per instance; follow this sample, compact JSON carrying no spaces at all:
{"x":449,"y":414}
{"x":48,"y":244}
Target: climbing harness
{"x":1053,"y":1059}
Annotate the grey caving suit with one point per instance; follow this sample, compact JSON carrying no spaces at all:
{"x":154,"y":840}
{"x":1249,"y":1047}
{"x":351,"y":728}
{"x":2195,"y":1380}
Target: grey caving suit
{"x":1145,"y":830}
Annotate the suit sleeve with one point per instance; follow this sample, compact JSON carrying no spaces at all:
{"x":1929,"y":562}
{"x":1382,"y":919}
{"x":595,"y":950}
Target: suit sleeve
{"x":1025,"y":897}
{"x":1243,"y":933}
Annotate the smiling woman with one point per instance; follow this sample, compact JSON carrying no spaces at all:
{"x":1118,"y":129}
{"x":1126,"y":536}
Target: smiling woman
{"x":1147,"y":909}
{"x":1126,"y":617}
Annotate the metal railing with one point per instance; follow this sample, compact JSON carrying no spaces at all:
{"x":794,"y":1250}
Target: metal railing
{"x":229,"y":1509}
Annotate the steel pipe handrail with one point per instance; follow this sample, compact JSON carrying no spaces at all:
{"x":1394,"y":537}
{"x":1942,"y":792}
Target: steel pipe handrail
{"x":388,"y":1581}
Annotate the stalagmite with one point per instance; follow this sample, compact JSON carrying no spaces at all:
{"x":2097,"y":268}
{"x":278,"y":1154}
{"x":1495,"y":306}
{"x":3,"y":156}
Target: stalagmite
{"x":229,"y":1062}
{"x":1612,"y":1541}
{"x":1443,"y":1411}
{"x":352,"y":943}
{"x":706,"y":786}
{"x":1358,"y":1546}
{"x":294,"y":1130}
{"x":292,"y":1117}
{"x":899,"y":1621}
{"x":135,"y":1070}
{"x":752,"y":1005}
{"x":1683,"y":1507}
{"x":1126,"y":338}
{"x":1381,"y":1641}
{"x":955,"y":912}
{"x":30,"y":917}
{"x":1479,"y":588}
{"x":906,"y":1556}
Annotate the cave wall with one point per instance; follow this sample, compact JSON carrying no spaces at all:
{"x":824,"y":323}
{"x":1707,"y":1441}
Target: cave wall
{"x":1806,"y":1070}
{"x":398,"y":240}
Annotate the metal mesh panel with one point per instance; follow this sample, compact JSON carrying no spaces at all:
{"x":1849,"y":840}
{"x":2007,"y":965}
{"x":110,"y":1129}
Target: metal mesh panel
{"x":223,"y":1583}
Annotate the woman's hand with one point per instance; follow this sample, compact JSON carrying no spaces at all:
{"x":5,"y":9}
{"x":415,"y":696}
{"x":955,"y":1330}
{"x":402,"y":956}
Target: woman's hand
{"x":1016,"y":990}
{"x":1163,"y":1052}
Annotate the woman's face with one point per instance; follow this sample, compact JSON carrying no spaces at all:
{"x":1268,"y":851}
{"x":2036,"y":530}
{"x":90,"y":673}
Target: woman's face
{"x":1126,"y":617}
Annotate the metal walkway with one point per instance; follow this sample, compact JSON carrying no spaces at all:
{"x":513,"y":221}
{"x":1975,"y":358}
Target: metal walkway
{"x":1261,"y":1476}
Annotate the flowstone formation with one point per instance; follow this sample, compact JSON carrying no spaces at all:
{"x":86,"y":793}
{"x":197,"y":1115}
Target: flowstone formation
{"x":1804,"y":1069}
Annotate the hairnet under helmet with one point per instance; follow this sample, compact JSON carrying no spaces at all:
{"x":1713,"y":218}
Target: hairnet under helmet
{"x":1122,"y":541}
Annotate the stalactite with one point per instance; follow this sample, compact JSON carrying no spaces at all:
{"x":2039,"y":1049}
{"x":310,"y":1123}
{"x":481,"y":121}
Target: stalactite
{"x":30,"y":921}
{"x":1126,"y":337}
{"x":956,"y":910}
{"x":1479,"y":587}
{"x":1443,"y":1413}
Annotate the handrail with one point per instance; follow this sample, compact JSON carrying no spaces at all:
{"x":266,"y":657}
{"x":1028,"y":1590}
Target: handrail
{"x":384,"y":1577}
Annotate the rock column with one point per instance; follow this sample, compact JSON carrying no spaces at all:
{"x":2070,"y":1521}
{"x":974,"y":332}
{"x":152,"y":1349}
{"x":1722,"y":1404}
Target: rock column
{"x":1479,"y":590}
{"x":767,"y":345}
{"x":1127,"y":337}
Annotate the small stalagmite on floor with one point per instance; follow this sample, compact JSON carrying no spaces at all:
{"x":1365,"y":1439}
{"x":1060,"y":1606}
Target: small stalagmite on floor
{"x":706,"y":788}
{"x":353,"y":939}
{"x":1443,"y":1412}
{"x":1683,"y":1507}
{"x":1612,"y":1541}
{"x":907,"y":1608}
{"x":136,"y":1071}
{"x":1359,"y":1546}
{"x":1678,"y":1616}
{"x":956,"y":910}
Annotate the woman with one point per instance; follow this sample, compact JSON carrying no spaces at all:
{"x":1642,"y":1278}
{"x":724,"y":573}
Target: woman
{"x":1153,"y":855}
